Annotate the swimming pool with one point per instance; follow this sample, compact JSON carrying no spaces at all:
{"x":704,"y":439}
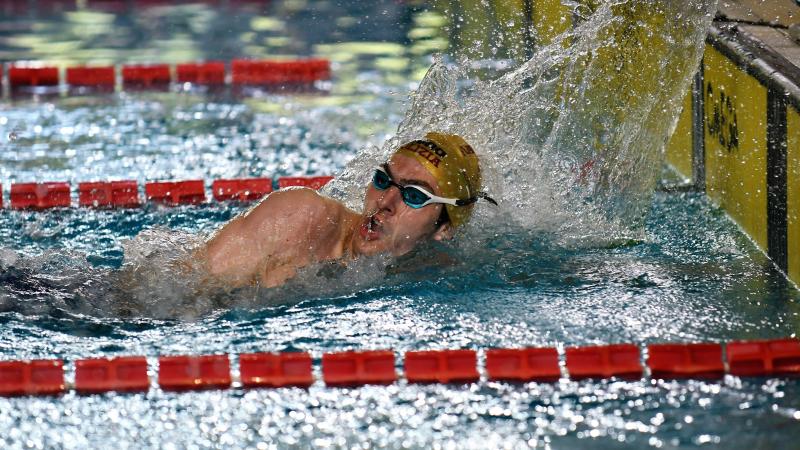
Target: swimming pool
{"x":693,"y":277}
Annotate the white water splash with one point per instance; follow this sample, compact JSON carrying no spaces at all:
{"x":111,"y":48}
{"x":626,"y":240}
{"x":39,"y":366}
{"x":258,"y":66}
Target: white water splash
{"x":572,"y":140}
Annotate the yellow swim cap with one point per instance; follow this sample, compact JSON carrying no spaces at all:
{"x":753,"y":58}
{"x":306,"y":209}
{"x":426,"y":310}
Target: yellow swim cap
{"x":455,"y":166}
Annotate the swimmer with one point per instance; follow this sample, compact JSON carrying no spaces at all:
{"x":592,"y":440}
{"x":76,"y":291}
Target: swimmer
{"x":425,"y":191}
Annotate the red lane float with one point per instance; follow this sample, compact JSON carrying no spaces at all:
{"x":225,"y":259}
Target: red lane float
{"x":764,"y":358}
{"x":246,"y":72}
{"x":121,"y":374}
{"x":523,"y":364}
{"x":108,"y":194}
{"x":241,"y":189}
{"x":358,"y":368}
{"x":209,"y":73}
{"x":703,"y":360}
{"x":183,"y":373}
{"x":146,"y":76}
{"x":604,"y":361}
{"x":36,"y":377}
{"x":32,"y":76}
{"x":276,"y":73}
{"x":441,"y":366}
{"x":190,"y":192}
{"x":309,"y":182}
{"x":97,"y":77}
{"x":276,"y":369}
{"x":40,"y":195}
{"x":320,"y":69}
{"x":305,"y":72}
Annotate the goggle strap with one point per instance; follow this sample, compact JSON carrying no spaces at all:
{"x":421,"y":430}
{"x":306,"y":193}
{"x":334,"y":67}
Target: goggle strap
{"x":486,"y":197}
{"x":469,"y":201}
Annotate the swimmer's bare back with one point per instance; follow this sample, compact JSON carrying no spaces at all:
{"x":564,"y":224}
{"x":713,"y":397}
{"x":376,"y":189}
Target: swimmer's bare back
{"x":289,"y":229}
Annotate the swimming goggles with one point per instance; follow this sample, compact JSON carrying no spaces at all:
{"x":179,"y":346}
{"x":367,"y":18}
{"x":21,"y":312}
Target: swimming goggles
{"x":417,"y":196}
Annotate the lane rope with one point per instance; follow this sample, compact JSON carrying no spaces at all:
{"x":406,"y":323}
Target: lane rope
{"x":126,"y":193}
{"x":756,"y":358}
{"x":37,"y":77}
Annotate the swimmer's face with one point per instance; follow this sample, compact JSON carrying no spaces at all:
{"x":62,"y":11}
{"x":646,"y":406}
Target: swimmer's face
{"x":388,"y":224}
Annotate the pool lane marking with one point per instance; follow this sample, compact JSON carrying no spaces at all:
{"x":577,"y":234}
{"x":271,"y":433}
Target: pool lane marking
{"x":126,"y":194}
{"x":37,"y":78}
{"x":762,"y":358}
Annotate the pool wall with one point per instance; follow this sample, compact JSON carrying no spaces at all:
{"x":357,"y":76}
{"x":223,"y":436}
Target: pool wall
{"x":738,"y":136}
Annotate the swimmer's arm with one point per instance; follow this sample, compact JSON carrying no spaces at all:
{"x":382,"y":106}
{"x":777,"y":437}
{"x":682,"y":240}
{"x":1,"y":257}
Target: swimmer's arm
{"x":271,"y":230}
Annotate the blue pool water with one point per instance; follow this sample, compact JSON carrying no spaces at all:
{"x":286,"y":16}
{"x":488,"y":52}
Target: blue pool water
{"x":78,"y":283}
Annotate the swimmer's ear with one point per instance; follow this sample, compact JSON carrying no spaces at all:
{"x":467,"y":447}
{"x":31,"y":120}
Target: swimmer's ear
{"x":444,"y":232}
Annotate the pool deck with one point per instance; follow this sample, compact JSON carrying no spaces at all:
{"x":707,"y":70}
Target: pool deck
{"x":781,"y":13}
{"x":772,"y":25}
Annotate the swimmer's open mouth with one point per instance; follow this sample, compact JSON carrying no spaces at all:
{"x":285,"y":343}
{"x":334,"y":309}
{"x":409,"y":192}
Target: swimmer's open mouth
{"x":371,"y":228}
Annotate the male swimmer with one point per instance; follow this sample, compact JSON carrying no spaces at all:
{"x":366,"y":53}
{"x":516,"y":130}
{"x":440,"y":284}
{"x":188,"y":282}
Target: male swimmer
{"x":426,"y":190}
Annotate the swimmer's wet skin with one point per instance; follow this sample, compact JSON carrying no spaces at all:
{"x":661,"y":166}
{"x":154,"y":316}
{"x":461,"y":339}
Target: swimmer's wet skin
{"x":425,"y":191}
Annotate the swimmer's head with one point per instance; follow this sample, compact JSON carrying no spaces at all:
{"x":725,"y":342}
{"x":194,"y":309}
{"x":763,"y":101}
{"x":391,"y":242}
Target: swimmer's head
{"x":455,"y":166}
{"x":424,"y":191}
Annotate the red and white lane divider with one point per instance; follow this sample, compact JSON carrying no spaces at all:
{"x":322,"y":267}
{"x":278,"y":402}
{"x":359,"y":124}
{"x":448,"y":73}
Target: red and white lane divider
{"x":125,"y":194}
{"x":243,"y":72}
{"x":762,"y":358}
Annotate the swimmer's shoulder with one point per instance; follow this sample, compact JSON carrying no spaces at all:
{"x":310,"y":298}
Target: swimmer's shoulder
{"x":301,"y":198}
{"x":300,"y":204}
{"x":293,"y":195}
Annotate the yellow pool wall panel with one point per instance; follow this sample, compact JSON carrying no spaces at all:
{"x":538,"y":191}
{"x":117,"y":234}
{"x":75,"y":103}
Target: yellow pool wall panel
{"x":680,"y":146}
{"x":473,"y":36}
{"x":549,"y":18}
{"x":511,"y":22}
{"x":735,"y":116}
{"x":793,"y":191}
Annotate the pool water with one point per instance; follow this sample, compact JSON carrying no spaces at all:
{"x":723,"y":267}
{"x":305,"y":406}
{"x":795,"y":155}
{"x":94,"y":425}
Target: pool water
{"x":692,"y":277}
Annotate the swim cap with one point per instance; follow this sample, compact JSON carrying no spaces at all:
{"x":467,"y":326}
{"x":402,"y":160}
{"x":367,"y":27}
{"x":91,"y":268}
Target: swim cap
{"x":455,"y":166}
